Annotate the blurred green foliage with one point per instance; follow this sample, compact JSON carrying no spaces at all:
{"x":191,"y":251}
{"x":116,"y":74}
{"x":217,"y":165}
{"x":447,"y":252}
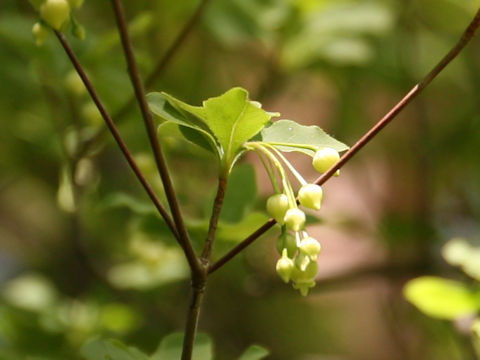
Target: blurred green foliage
{"x":84,"y":254}
{"x":448,"y":299}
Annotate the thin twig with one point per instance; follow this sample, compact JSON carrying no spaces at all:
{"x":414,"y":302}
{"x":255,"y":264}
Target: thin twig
{"x":192,"y":319}
{"x":212,"y":228}
{"x":178,"y":42}
{"x":113,"y":129}
{"x":157,"y":71}
{"x":152,"y":135}
{"x":241,"y":246}
{"x":412,"y":94}
{"x":452,"y":54}
{"x":199,"y":280}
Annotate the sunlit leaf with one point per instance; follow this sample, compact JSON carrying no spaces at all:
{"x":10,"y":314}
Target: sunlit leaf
{"x":459,"y":252}
{"x":234,"y":120}
{"x":226,"y":121}
{"x":30,"y":292}
{"x":441,"y":298}
{"x":295,"y":135}
{"x":166,"y":266}
{"x":456,"y":251}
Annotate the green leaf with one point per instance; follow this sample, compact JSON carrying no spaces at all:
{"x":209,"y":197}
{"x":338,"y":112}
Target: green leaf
{"x":441,"y":298}
{"x":294,"y":137}
{"x":186,"y":116}
{"x":193,"y":113}
{"x":254,"y":352}
{"x":234,"y":120}
{"x":193,"y":136}
{"x":226,"y":122}
{"x":171,"y":109}
{"x":171,"y":348}
{"x":99,"y":349}
{"x":240,"y":195}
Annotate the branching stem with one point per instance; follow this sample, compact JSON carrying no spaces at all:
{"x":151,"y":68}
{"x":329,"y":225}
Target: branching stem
{"x":199,"y":280}
{"x":113,"y":129}
{"x":240,"y":247}
{"x":414,"y":92}
{"x":152,"y":135}
{"x":156,"y":73}
{"x":178,"y":42}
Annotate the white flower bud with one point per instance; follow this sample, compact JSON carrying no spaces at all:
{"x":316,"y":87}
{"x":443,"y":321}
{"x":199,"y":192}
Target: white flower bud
{"x":55,"y":13}
{"x":324,"y":159}
{"x":310,"y":247}
{"x":294,"y":219}
{"x":277,"y":206}
{"x":285,"y":267}
{"x":311,"y":196}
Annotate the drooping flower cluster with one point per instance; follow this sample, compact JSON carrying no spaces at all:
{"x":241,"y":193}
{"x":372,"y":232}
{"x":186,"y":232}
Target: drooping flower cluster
{"x":298,"y":250}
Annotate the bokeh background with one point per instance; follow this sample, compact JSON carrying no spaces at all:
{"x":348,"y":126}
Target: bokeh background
{"x":83,"y":253}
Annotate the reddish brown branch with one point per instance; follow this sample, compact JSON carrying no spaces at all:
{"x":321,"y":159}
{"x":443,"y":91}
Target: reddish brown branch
{"x":156,"y":73}
{"x":212,"y":228}
{"x":177,"y":43}
{"x":365,"y":139}
{"x":239,"y":248}
{"x":113,"y":129}
{"x":152,"y":135}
